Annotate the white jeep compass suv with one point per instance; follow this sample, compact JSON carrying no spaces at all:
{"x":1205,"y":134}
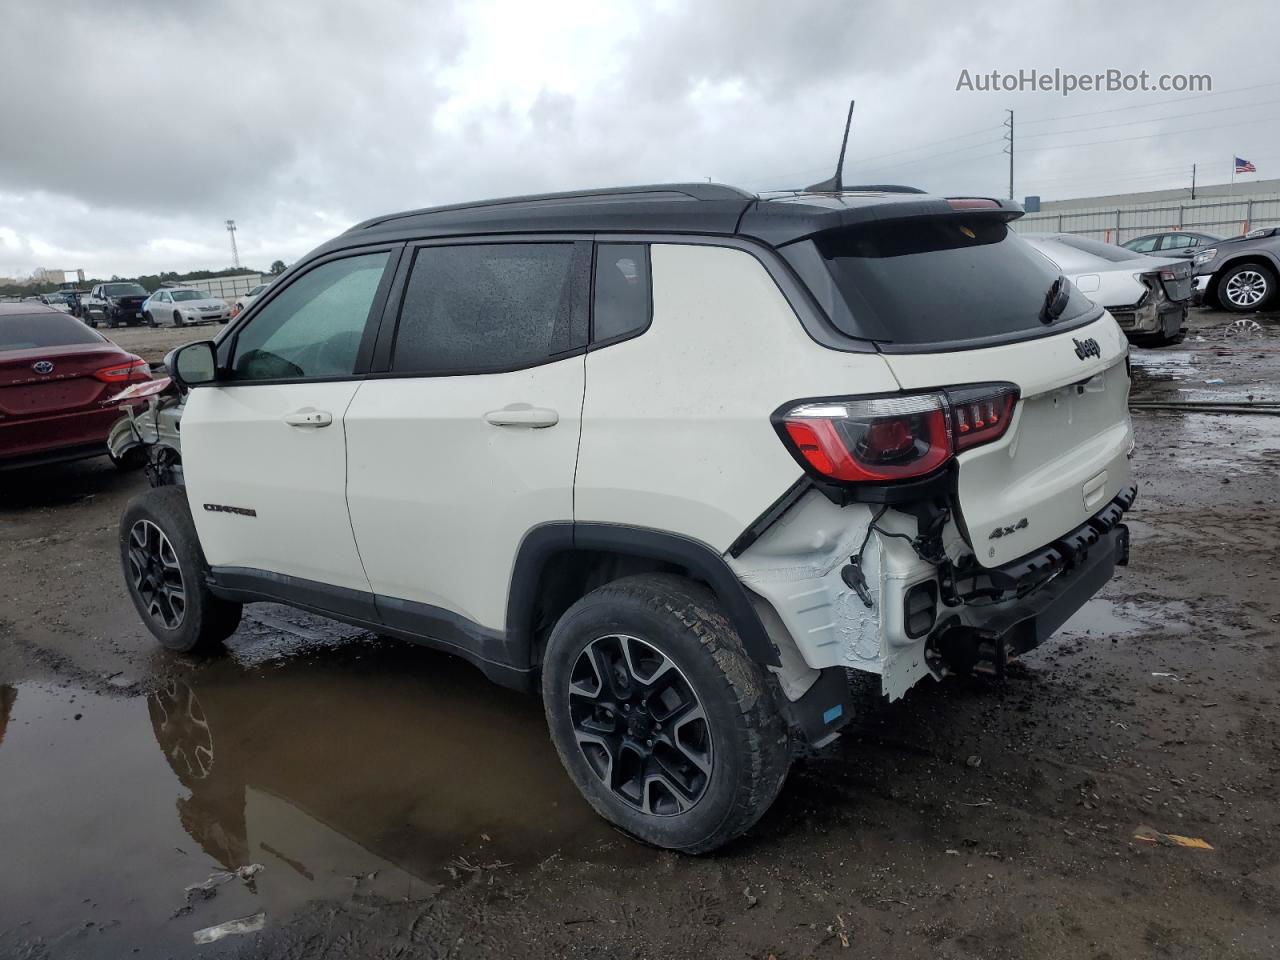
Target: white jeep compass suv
{"x":678,"y":457}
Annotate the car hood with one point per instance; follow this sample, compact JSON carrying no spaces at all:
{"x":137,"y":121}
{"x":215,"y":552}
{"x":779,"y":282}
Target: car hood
{"x":198,"y":304}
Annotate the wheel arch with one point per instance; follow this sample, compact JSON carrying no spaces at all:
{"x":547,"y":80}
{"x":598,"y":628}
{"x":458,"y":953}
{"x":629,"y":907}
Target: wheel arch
{"x":1261,"y":258}
{"x":557,"y":563}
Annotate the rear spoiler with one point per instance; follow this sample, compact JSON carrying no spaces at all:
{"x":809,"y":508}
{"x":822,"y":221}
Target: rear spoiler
{"x":779,"y":225}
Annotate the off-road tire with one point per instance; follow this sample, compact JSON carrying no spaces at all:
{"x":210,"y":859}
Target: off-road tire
{"x":749,"y":742}
{"x":206,"y":620}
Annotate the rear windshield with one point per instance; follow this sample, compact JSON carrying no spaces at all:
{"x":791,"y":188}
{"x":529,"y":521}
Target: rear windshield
{"x":25,"y":332}
{"x":937,"y":281}
{"x":124,"y":290}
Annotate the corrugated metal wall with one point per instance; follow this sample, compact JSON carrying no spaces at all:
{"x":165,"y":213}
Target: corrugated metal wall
{"x":1116,"y":224}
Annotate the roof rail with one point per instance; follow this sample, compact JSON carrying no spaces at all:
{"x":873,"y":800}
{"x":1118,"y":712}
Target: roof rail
{"x":688,"y":191}
{"x":880,"y":188}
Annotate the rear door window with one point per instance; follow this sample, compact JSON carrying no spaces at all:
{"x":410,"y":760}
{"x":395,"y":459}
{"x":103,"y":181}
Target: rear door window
{"x":490,"y":307}
{"x":938,"y":281}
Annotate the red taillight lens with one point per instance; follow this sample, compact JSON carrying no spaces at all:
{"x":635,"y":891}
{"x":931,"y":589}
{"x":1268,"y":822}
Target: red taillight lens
{"x":862,"y":441}
{"x":980,"y":414}
{"x":127,"y":371}
{"x":886,"y":439}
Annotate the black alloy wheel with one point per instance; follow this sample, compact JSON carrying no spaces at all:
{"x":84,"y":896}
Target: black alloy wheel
{"x":640,"y":725}
{"x":156,"y":574}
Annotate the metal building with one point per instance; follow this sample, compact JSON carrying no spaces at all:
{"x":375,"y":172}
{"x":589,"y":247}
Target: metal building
{"x":1222,"y":209}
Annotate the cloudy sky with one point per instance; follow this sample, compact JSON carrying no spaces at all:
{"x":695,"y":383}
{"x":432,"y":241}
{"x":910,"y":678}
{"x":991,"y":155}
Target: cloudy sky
{"x":130,"y":130}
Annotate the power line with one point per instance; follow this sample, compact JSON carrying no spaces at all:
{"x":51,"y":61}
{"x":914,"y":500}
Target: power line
{"x":1153,"y":103}
{"x":1150,"y":136}
{"x":1134,"y":123}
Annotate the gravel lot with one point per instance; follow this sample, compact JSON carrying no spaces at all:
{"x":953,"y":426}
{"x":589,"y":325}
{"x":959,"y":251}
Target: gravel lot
{"x":401,"y":807}
{"x":152,"y":343}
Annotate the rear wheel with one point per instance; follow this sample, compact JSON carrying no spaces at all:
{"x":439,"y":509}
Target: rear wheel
{"x":660,"y":717}
{"x":164,"y":570}
{"x":1246,"y":288}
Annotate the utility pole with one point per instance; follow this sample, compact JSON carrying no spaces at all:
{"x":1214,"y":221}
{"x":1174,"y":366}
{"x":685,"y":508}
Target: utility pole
{"x":235,"y":254}
{"x":1009,"y":149}
{"x":1193,"y":181}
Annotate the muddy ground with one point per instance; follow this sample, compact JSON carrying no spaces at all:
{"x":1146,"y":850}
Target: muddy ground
{"x":401,"y":806}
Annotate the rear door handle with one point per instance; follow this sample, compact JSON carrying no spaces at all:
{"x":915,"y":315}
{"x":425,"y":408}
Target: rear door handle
{"x":309,"y":418}
{"x":523,"y":415}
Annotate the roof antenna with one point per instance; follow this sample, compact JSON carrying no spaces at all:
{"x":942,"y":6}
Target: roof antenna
{"x":835,"y":184}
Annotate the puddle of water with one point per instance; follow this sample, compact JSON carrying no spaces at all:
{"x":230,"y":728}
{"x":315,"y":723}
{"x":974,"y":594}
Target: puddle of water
{"x":369,"y":761}
{"x":1104,"y":618}
{"x":1161,"y":363}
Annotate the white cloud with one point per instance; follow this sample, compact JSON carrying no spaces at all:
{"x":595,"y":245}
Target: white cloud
{"x":299,"y":118}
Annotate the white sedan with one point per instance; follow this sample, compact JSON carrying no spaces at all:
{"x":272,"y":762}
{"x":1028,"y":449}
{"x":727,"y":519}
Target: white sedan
{"x":180,"y":307}
{"x":243,"y":301}
{"x":1148,"y":296}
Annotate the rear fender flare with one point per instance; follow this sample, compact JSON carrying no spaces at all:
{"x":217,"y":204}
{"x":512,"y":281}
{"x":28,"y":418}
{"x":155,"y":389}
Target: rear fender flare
{"x":542,"y":543}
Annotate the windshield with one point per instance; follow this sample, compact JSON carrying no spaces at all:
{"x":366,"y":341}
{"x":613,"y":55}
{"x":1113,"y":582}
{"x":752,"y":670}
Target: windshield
{"x":1107,"y":251}
{"x":124,"y":290}
{"x":191,"y":295}
{"x":24,"y":332}
{"x":936,"y":281}
{"x":257,"y":290}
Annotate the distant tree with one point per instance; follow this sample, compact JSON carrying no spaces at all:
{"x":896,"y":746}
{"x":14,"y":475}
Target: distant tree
{"x":277,"y":268}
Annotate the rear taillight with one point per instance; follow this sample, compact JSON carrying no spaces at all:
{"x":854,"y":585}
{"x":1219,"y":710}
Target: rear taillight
{"x":126,"y":371}
{"x":902,"y":437}
{"x":980,"y":414}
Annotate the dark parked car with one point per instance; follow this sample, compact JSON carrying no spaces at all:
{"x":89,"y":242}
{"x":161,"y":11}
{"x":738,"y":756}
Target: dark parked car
{"x":1240,"y":274}
{"x":115,"y":304}
{"x":55,"y":374}
{"x":1179,"y":243}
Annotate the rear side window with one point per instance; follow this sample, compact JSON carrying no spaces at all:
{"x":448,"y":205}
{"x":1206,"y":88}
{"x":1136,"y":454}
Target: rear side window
{"x":44,"y":330}
{"x":1146,"y":245}
{"x":623,"y":301}
{"x":935,"y":281}
{"x":483,"y":307}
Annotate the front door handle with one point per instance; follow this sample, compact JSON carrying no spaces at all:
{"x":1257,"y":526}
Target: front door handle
{"x":523,"y":415}
{"x":309,"y":418}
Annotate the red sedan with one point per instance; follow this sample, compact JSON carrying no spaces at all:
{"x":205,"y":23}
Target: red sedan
{"x":54,"y":375}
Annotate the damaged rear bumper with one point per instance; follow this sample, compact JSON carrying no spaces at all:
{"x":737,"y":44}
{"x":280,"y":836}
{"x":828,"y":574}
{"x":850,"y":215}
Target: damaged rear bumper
{"x":1048,"y":587}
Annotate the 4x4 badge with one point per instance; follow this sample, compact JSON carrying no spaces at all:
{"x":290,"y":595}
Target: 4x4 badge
{"x":1087,"y":348}
{"x":999,"y":532}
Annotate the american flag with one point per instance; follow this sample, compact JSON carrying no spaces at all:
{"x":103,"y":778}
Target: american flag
{"x":1244,"y":166}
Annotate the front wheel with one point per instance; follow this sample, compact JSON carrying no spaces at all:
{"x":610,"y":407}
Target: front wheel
{"x":149,"y":319}
{"x":1246,"y":288}
{"x":177,"y":319}
{"x":661,"y":719}
{"x":164,"y":570}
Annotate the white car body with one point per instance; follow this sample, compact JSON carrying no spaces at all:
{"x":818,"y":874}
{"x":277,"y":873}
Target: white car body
{"x":1111,"y":276}
{"x":693,"y":405}
{"x":244,"y":301}
{"x":185,"y":306}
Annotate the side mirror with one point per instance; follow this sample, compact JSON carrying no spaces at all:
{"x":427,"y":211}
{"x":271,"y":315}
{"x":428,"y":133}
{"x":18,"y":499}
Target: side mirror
{"x":194,"y":364}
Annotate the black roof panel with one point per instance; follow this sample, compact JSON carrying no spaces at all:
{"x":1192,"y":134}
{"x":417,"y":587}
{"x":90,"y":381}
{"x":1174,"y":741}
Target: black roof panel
{"x":694,"y":208}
